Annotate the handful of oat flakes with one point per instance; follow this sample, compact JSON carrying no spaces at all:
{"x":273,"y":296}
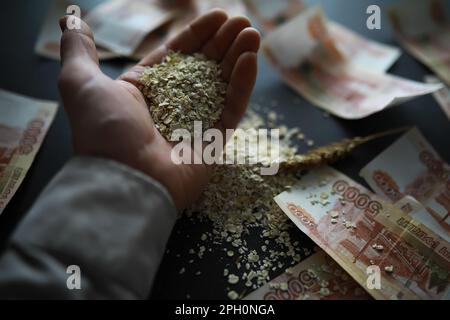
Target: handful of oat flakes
{"x":183,"y":89}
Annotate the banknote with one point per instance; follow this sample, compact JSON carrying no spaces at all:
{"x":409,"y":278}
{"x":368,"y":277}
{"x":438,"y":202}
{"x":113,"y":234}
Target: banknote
{"x":269,"y":14}
{"x":121,"y":25}
{"x":411,"y":167}
{"x":318,"y":277}
{"x":364,"y":52}
{"x":232,"y":7}
{"x":423,"y":29}
{"x":47,"y":44}
{"x":188,"y":13}
{"x":24,"y":122}
{"x":362,"y":232}
{"x":442,"y":96}
{"x":309,"y":60}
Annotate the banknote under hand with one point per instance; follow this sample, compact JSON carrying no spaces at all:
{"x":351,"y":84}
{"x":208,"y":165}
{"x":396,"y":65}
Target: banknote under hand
{"x":133,"y":40}
{"x":318,"y":277}
{"x":24,"y":122}
{"x":311,"y":62}
{"x":411,"y":167}
{"x":194,"y":9}
{"x":362,"y":231}
{"x":121,"y":25}
{"x":269,"y":14}
{"x":424,"y":30}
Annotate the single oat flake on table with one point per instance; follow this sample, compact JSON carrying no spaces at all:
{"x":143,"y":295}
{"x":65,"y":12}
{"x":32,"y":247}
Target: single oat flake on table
{"x":183,"y":89}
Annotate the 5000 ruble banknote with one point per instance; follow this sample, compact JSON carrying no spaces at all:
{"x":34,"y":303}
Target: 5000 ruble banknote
{"x":411,"y":167}
{"x":318,"y":277}
{"x":310,"y":61}
{"x":24,"y":123}
{"x":362,"y":232}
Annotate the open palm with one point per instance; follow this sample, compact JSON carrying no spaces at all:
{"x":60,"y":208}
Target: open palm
{"x":110,"y":118}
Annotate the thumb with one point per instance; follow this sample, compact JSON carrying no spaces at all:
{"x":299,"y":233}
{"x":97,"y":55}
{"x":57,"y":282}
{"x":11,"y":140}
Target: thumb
{"x":78,"y":51}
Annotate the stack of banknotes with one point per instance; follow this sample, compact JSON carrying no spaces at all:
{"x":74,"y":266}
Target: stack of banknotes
{"x":400,"y":230}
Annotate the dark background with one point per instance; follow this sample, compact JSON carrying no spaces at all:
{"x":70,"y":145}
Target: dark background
{"x":22,"y":71}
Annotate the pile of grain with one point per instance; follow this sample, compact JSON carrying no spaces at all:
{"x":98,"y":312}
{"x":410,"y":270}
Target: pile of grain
{"x":183,"y":89}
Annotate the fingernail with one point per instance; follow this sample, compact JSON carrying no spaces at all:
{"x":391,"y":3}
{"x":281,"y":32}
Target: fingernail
{"x":63,"y":24}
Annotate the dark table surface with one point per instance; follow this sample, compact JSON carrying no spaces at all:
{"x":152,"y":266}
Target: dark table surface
{"x":24,"y":72}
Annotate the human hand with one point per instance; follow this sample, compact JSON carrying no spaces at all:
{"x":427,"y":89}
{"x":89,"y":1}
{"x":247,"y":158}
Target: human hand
{"x":110,"y":118}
